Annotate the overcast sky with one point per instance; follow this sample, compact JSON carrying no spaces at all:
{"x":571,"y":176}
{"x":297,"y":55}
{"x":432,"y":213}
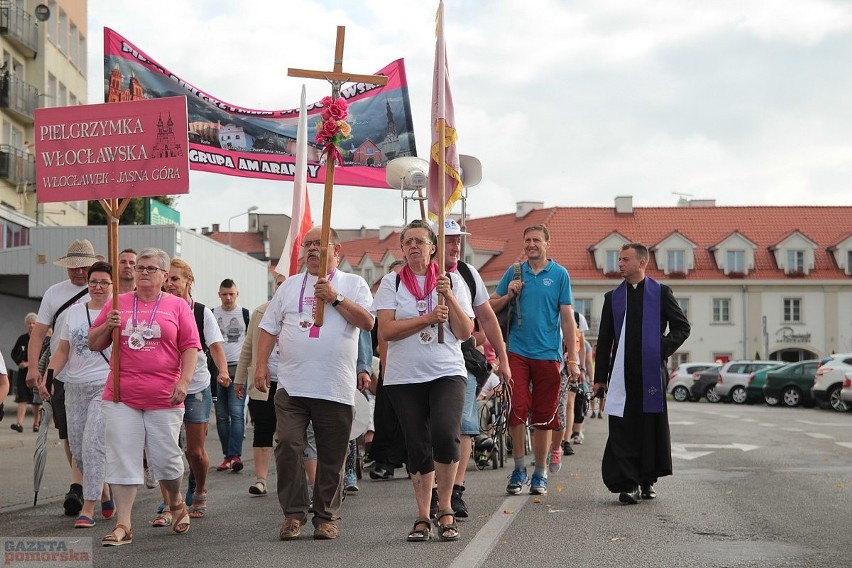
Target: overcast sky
{"x":748,"y":102}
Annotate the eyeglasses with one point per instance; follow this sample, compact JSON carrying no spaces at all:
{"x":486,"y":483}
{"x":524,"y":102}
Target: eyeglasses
{"x":415,"y":241}
{"x":148,"y":269}
{"x":99,"y":283}
{"x":309,"y":244}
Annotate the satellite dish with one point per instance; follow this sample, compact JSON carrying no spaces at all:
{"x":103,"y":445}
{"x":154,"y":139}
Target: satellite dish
{"x":407,"y":173}
{"x":471,"y":170}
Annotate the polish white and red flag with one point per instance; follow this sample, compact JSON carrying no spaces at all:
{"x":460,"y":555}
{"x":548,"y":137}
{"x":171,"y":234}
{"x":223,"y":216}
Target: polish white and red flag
{"x":300,"y":222}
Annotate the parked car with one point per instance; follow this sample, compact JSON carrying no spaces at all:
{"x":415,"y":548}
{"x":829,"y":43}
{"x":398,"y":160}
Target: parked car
{"x":733,"y":378}
{"x":792,"y":384}
{"x":680,"y":380}
{"x":704,"y":384}
{"x":846,"y":391}
{"x":829,"y":382}
{"x":754,"y":390}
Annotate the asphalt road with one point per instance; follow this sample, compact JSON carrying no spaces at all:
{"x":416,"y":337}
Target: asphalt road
{"x":753,"y":486}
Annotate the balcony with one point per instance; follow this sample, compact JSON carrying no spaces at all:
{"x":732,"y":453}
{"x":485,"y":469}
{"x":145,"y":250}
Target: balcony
{"x":19,"y":27}
{"x":18,"y":97}
{"x":17,"y":167}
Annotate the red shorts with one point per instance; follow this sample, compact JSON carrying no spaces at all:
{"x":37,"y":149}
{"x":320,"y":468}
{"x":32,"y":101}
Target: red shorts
{"x":535,"y":392}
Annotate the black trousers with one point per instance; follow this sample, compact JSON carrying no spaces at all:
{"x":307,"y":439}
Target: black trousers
{"x":388,"y":445}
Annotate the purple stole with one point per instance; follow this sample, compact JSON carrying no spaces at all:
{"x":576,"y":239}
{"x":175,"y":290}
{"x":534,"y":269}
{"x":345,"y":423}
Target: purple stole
{"x":652,"y":388}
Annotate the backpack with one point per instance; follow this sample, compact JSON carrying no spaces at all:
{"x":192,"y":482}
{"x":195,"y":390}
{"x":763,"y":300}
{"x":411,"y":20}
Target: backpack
{"x":512,"y":308}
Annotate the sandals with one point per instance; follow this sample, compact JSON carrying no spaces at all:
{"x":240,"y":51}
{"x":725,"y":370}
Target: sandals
{"x":421,"y":534}
{"x":112,"y":538}
{"x":164,"y":519}
{"x":447,"y":531}
{"x":199,"y":505}
{"x":182,"y":519}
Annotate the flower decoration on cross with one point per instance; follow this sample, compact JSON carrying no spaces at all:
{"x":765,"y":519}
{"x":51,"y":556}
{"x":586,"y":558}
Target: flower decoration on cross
{"x":332,"y":128}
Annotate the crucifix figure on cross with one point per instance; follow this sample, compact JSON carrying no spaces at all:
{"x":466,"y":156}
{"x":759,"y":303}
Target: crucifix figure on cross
{"x":336,"y":77}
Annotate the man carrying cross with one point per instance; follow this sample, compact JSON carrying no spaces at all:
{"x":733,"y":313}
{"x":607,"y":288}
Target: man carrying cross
{"x":316,"y":381}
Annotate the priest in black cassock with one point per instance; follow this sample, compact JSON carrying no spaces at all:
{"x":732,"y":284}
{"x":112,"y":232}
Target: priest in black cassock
{"x":630,"y":364}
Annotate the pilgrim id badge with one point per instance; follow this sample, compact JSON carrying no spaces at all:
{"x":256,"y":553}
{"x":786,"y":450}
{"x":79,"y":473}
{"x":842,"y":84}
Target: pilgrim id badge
{"x":426,"y":336}
{"x":136,"y":341}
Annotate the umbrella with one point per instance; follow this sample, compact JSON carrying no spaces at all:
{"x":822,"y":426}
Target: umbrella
{"x":40,"y":454}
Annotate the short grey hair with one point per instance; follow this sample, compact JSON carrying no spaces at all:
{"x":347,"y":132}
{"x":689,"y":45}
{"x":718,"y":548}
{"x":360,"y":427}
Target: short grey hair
{"x":159,"y":255}
{"x":32,"y":316}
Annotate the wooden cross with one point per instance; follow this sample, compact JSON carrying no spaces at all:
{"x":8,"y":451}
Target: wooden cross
{"x":336,"y":77}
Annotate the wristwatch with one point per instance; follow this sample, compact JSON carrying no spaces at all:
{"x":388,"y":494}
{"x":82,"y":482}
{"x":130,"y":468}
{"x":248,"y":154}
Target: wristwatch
{"x":338,"y":300}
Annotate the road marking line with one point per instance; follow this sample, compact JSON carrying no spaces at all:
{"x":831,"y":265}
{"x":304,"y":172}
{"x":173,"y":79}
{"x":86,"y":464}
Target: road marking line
{"x":478,"y":549}
{"x":812,"y":423}
{"x":845,"y":444}
{"x":682,"y":423}
{"x":767,"y":424}
{"x":819,"y":435}
{"x":789,"y":429}
{"x":749,"y":420}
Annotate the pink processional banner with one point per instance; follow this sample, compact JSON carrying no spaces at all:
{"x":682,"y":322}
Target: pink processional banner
{"x":233,"y":140}
{"x":107,"y":151}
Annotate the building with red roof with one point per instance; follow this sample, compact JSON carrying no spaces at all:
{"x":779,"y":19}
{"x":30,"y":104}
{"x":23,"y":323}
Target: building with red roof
{"x":765,"y":281}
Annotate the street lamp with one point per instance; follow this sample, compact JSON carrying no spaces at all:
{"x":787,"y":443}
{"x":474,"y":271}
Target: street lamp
{"x":246,"y":212}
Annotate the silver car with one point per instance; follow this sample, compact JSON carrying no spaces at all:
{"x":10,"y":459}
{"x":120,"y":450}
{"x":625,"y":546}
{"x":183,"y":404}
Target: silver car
{"x":733,"y":378}
{"x":681,"y":379}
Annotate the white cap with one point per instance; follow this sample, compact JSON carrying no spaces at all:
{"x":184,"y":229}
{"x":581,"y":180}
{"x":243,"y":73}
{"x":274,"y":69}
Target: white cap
{"x":451,"y":228}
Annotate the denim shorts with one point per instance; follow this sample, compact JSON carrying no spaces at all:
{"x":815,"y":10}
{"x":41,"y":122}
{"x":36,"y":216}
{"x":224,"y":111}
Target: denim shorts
{"x":197,"y":407}
{"x":470,"y":415}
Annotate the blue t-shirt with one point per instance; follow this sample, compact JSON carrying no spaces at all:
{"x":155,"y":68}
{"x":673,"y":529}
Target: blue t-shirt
{"x":539,"y":335}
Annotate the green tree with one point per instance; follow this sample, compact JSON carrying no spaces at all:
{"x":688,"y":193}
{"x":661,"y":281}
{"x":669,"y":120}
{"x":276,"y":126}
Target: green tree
{"x":133,"y":215}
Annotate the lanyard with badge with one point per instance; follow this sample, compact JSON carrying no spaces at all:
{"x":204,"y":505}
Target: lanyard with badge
{"x":138,"y":336}
{"x":307,"y":323}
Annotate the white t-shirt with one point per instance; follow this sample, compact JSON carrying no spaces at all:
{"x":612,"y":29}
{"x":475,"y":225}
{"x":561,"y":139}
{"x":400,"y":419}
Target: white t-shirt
{"x":53,"y":299}
{"x":232,"y":325}
{"x":409,"y":360}
{"x":3,"y":370}
{"x":212,"y":334}
{"x":316,"y":365}
{"x":83,"y":366}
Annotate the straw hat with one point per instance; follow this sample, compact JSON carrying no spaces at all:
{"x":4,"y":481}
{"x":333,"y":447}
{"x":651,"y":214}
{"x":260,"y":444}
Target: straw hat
{"x":81,"y":254}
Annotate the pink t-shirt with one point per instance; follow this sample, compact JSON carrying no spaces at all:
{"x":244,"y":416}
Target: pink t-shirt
{"x":147,"y":376}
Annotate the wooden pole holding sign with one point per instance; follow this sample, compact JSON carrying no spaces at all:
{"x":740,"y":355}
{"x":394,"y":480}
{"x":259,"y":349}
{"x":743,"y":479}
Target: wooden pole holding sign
{"x":113,"y":209}
{"x":336,"y":77}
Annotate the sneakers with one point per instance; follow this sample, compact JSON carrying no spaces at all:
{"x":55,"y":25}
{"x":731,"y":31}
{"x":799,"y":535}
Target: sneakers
{"x":236,"y":464}
{"x":73,"y":503}
{"x":516,"y":481}
{"x":538,"y":486}
{"x":577,"y":437}
{"x":350,"y":482}
{"x":567,"y":450}
{"x":368,"y":461}
{"x":225,"y":465}
{"x":555,"y":460}
{"x":381,"y":471}
{"x":457,"y":503}
{"x":258,"y":487}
